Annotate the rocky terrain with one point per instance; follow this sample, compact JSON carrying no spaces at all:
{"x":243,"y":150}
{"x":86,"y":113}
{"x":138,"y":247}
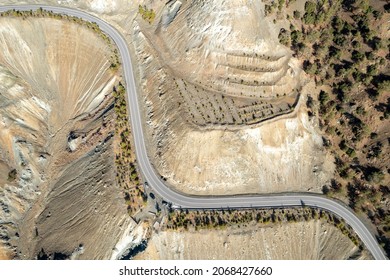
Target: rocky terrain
{"x":225,"y":113}
{"x":57,"y":182}
{"x":313,"y":240}
{"x":240,"y":93}
{"x":225,"y":87}
{"x":221,"y":121}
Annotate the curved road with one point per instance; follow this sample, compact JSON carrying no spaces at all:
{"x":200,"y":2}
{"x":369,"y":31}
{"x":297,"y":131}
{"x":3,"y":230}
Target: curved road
{"x":198,"y":202}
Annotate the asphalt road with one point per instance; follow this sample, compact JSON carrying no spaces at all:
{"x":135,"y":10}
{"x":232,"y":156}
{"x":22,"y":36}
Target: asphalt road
{"x":202,"y":202}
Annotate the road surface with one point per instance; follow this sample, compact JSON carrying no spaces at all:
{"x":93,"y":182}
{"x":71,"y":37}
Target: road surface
{"x":204,"y":202}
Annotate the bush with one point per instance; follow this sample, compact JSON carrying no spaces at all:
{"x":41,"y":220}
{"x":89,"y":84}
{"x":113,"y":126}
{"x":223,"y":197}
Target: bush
{"x":357,"y":56}
{"x":375,"y":43}
{"x":309,"y":18}
{"x":375,"y":177}
{"x":281,"y":4}
{"x":351,"y":152}
{"x":284,"y":37}
{"x":146,"y":14}
{"x":373,"y":135}
{"x":12,"y":175}
{"x":323,"y":97}
{"x":268,"y":9}
{"x":310,"y":7}
{"x":297,"y":14}
{"x":384,"y":86}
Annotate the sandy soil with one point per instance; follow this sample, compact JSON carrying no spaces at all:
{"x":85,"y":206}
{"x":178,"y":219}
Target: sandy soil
{"x":200,"y":158}
{"x":5,"y":254}
{"x":56,"y":128}
{"x":214,"y":157}
{"x":234,"y":162}
{"x":311,"y":240}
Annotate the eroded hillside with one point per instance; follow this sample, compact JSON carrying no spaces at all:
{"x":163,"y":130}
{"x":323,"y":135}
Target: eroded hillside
{"x":221,"y":117}
{"x":226,"y":102}
{"x":57,"y":181}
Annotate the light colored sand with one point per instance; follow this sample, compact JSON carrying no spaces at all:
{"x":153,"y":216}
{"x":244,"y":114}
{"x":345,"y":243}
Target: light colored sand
{"x":55,"y":85}
{"x":4,"y":254}
{"x":302,"y":240}
{"x":276,"y":156}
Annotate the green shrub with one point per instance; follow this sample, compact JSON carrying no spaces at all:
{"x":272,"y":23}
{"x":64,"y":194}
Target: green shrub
{"x":146,"y":14}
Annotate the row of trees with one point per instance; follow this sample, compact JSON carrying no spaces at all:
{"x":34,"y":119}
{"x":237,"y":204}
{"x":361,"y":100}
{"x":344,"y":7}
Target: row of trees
{"x":207,"y":219}
{"x":126,"y":176}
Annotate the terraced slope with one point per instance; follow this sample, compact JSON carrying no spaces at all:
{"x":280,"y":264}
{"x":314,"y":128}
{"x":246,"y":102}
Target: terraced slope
{"x":228,"y":68}
{"x":225,"y":102}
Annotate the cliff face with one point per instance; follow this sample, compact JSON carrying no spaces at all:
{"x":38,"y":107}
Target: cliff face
{"x":57,"y":179}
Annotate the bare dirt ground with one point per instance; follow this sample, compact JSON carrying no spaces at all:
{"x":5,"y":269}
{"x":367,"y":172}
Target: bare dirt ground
{"x":205,"y":137}
{"x":5,"y":254}
{"x":351,"y":70}
{"x":209,"y":132}
{"x":58,"y":192}
{"x":312,"y":240}
{"x":244,"y":79}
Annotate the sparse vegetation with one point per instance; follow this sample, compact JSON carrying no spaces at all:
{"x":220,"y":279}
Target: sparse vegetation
{"x":346,"y":50}
{"x":146,"y":14}
{"x":84,"y":115}
{"x":207,"y":219}
{"x":127,"y":175}
{"x":208,"y":108}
